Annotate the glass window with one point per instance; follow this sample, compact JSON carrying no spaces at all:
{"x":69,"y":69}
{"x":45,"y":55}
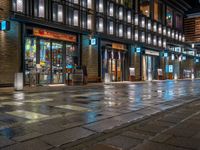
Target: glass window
{"x":129,"y":32}
{"x":90,"y":4}
{"x":84,"y":3}
{"x":100,"y":6}
{"x":121,"y":13}
{"x":110,"y":27}
{"x":18,"y":5}
{"x":100,"y":25}
{"x":84,"y":20}
{"x":121,"y":30}
{"x":145,"y":7}
{"x":57,"y":12}
{"x":157,"y":10}
{"x":179,"y":21}
{"x":89,"y":22}
{"x":129,"y":16}
{"x":76,"y":18}
{"x":75,"y":1}
{"x":110,"y":9}
{"x":142,"y":38}
{"x":169,"y":17}
{"x":30,"y":58}
{"x":39,"y":8}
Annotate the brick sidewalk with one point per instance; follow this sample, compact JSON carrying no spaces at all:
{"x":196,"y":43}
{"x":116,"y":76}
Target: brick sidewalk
{"x":176,"y":129}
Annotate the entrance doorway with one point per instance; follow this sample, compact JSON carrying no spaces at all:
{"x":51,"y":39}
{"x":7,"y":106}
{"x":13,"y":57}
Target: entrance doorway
{"x":112,"y":65}
{"x":150,"y":67}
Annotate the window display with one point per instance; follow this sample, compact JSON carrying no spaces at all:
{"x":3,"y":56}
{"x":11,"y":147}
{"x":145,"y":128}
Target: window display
{"x":45,"y":64}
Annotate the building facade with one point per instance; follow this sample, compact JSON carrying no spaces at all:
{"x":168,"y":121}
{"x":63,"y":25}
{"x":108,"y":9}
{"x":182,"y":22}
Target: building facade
{"x":118,"y":40}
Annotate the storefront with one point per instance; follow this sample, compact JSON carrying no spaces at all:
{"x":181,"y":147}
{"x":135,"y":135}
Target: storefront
{"x":150,"y":65}
{"x":113,"y":61}
{"x":49,"y":56}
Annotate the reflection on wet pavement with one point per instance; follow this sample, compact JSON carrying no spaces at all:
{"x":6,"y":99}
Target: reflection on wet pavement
{"x":96,"y":108}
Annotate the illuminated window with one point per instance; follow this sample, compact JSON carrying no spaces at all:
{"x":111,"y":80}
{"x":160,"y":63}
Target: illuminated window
{"x":145,"y":7}
{"x":121,"y":30}
{"x":129,"y":32}
{"x":157,"y":10}
{"x":100,"y":25}
{"x":89,"y":22}
{"x":129,"y":17}
{"x":57,"y":12}
{"x":110,"y":9}
{"x":76,"y":18}
{"x":169,"y":17}
{"x":136,"y":35}
{"x":18,"y":5}
{"x":90,"y":4}
{"x":100,"y":6}
{"x":110,"y":27}
{"x":121,"y":14}
{"x":142,"y":37}
{"x":39,"y":8}
{"x":149,"y":39}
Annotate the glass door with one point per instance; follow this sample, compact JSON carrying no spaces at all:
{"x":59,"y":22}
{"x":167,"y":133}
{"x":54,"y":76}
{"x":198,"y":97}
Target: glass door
{"x":45,"y":62}
{"x":57,"y":63}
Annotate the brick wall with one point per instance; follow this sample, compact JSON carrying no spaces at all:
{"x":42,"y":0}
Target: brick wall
{"x":90,"y":58}
{"x":9,"y":47}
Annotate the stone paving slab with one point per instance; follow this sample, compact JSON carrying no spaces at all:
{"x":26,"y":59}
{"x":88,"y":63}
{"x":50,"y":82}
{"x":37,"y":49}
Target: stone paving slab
{"x":35,"y":144}
{"x":103,"y":125}
{"x":66,"y":136}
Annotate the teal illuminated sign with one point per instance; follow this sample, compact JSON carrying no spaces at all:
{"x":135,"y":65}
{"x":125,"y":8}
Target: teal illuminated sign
{"x":5,"y":25}
{"x":93,"y":41}
{"x":138,"y":49}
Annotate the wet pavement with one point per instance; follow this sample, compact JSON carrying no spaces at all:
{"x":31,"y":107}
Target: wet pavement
{"x":52,"y":119}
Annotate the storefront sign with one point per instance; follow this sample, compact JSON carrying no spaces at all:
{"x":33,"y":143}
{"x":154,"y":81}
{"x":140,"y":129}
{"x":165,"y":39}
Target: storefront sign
{"x":171,"y":68}
{"x":118,"y":46}
{"x":132,"y":71}
{"x":54,"y":35}
{"x":5,"y":25}
{"x":149,"y":52}
{"x":160,"y":73}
